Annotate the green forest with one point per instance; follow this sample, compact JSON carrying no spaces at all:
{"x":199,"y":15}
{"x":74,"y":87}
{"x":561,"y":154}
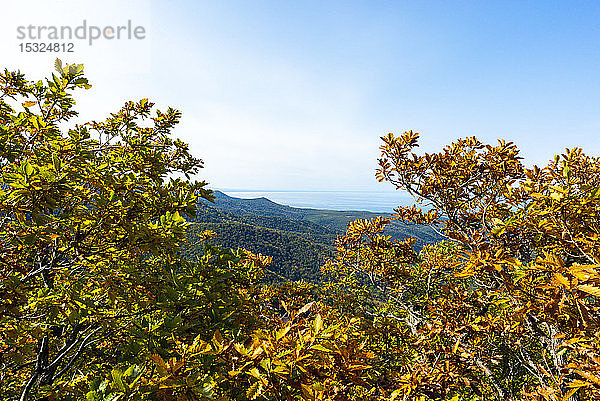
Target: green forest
{"x":123,"y":277}
{"x":299,"y":241}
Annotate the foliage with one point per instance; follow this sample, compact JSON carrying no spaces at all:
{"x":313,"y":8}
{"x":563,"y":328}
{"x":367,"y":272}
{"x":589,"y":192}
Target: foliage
{"x":99,"y":302}
{"x":510,"y":310}
{"x":96,"y":301}
{"x":304,"y":228}
{"x":90,"y":230}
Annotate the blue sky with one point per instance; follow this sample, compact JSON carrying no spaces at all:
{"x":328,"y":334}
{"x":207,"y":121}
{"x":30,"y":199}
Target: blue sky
{"x":295,"y":95}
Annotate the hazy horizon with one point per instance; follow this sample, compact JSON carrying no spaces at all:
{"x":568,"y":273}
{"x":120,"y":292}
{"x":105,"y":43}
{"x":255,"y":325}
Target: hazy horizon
{"x":349,"y":200}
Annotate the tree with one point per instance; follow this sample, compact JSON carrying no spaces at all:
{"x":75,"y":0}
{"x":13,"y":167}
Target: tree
{"x":510,"y":310}
{"x":90,"y":230}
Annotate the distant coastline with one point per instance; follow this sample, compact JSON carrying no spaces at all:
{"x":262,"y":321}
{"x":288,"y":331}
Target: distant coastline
{"x":372,"y":201}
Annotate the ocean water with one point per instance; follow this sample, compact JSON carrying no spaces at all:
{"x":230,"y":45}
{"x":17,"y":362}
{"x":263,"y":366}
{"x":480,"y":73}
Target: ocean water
{"x":333,"y":200}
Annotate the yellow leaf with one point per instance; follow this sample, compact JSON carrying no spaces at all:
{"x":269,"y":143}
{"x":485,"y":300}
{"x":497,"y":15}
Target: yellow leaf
{"x":590,"y":289}
{"x":254,"y":391}
{"x":306,"y":307}
{"x":256,"y":353}
{"x":579,"y":383}
{"x":589,"y":376}
{"x":318,"y":323}
{"x":556,"y":196}
{"x":455,"y":346}
{"x":281,"y":333}
{"x":217,"y":340}
{"x":241,"y":349}
{"x":358,"y":366}
{"x":584,"y":272}
{"x":468,"y":272}
{"x":562,"y":280}
{"x":395,"y":394}
{"x":307,"y":390}
{"x":255,"y":373}
{"x":319,"y":347}
{"x":176,"y":365}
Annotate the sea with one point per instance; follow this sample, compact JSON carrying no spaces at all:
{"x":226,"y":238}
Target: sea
{"x":372,"y":201}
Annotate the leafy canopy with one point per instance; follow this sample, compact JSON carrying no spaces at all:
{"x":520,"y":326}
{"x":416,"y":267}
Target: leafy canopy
{"x":98,"y":303}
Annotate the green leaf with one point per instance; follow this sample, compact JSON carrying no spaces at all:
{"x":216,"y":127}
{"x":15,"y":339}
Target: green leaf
{"x":28,"y":169}
{"x":92,"y":396}
{"x":117,"y":376}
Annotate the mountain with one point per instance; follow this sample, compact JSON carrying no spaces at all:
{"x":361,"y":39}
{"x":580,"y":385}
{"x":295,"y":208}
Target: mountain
{"x":332,"y":219}
{"x":298,"y":239}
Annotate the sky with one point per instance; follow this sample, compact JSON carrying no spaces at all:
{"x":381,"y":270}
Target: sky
{"x":295,"y":95}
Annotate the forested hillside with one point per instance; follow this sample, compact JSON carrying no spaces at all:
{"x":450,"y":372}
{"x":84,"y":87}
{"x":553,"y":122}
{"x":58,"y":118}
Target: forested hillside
{"x":296,"y":256}
{"x":299,"y":240}
{"x":333,"y":219}
{"x":210,"y":213}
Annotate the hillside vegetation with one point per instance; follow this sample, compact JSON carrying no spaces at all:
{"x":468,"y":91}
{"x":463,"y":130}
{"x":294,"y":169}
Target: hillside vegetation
{"x":294,"y":257}
{"x":298,"y":240}
{"x":333,"y":219}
